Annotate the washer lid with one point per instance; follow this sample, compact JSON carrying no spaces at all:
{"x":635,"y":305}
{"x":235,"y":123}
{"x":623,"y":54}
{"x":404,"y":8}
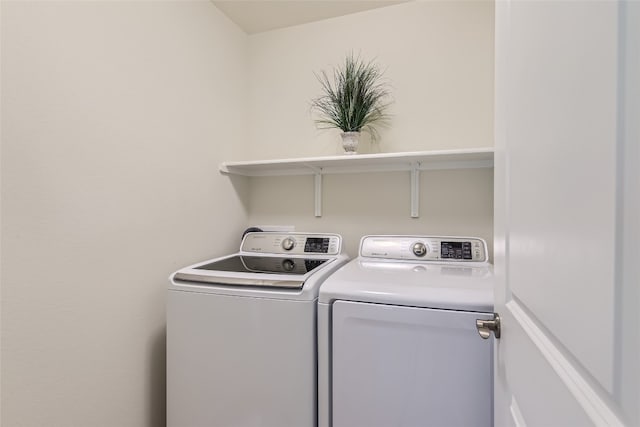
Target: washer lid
{"x":432,"y":285}
{"x":244,"y":270}
{"x":276,"y":277}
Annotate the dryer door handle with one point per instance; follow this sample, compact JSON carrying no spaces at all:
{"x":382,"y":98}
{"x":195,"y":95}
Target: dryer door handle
{"x":485,"y":327}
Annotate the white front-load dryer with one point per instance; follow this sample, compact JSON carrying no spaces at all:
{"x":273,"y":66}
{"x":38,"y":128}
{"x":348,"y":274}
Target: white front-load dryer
{"x":397,"y":337}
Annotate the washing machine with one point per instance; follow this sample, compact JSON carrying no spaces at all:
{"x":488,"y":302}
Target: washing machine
{"x":241,"y":333}
{"x":397,"y":338}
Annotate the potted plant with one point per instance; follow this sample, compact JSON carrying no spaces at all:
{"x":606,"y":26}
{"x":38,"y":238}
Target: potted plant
{"x":354,"y":99}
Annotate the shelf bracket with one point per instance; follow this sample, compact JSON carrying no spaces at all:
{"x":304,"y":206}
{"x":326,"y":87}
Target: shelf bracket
{"x":415,"y":190}
{"x":317,"y":190}
{"x":317,"y":182}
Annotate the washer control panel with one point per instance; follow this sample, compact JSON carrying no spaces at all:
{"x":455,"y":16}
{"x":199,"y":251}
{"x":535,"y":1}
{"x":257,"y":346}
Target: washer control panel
{"x":292,"y":243}
{"x":425,"y":248}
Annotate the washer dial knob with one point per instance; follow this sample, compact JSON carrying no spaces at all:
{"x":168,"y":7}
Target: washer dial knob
{"x":288,"y":244}
{"x":288,"y":265}
{"x":419,"y":249}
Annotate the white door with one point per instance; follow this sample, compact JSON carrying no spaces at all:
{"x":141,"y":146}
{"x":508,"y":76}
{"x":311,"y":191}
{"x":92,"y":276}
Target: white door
{"x":567,"y":192}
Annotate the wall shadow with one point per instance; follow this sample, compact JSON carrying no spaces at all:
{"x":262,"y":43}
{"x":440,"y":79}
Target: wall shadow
{"x":241,"y":187}
{"x":157,"y":396}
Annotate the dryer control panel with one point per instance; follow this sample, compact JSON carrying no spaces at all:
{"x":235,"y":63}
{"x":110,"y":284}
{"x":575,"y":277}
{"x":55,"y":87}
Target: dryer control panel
{"x":292,"y":243}
{"x":425,"y":248}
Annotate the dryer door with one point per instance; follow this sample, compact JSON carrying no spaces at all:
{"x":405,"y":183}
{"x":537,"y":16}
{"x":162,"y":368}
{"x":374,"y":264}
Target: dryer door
{"x":408,"y":366}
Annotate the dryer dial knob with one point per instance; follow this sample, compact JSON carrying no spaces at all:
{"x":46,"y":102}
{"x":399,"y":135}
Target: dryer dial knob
{"x":419,"y":249}
{"x":288,"y":244}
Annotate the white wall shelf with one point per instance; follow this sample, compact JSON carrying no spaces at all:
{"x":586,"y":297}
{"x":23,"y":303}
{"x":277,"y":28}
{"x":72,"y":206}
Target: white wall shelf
{"x":414,"y":162}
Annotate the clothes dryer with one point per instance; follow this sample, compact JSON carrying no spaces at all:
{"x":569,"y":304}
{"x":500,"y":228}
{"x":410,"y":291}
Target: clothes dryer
{"x":397,"y":337}
{"x":241,"y":333}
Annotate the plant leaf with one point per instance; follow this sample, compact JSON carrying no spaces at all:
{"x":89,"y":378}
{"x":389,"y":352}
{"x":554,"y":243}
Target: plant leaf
{"x":354,"y":99}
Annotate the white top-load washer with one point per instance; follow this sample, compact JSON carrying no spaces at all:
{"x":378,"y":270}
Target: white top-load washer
{"x":241,"y":333}
{"x":397,"y":338}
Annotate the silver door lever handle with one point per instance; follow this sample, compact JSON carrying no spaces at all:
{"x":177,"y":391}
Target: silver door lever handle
{"x":485,"y":327}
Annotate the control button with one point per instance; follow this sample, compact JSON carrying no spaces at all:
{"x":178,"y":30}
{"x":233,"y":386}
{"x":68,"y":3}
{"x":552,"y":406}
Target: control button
{"x":419,"y":249}
{"x":288,"y":244}
{"x":288,"y":265}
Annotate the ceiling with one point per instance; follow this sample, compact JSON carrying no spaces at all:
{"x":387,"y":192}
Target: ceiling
{"x":257,"y":16}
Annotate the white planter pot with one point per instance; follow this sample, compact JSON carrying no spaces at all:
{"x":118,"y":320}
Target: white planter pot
{"x":350,"y":142}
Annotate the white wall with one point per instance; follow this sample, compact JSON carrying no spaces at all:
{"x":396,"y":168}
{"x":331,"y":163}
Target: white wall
{"x":115,"y":116}
{"x":438,"y":57}
{"x":353,"y":205}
